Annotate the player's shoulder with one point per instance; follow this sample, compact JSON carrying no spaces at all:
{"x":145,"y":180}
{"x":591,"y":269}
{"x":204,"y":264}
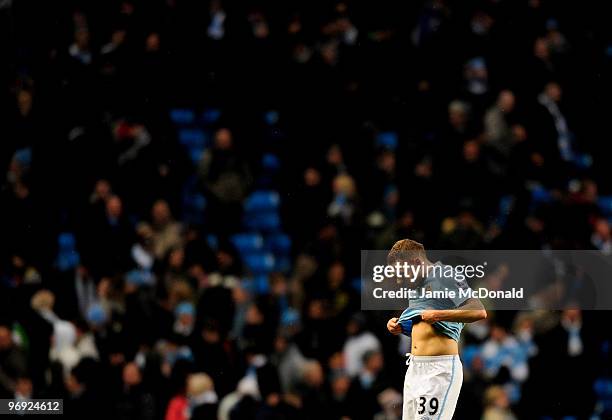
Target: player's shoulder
{"x":444,"y":277}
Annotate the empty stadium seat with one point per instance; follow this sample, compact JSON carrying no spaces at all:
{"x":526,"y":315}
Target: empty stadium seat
{"x":279,"y":243}
{"x":270,"y":162}
{"x":211,"y":116}
{"x":271,"y":117}
{"x":195,"y":154}
{"x":212,"y":241}
{"x":259,"y":263}
{"x":505,"y":207}
{"x":67,"y":256}
{"x":262,"y":200}
{"x":192,"y":137}
{"x":261,"y":284}
{"x":387,"y":140}
{"x":247,"y":243}
{"x":256,"y":285}
{"x":265,"y":221}
{"x":603,"y":389}
{"x":182,"y":116}
{"x":540,"y":194}
{"x":282,"y":264}
{"x":605,"y":204}
{"x":194,"y":205}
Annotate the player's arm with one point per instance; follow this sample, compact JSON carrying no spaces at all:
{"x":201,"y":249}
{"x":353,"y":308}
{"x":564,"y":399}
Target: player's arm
{"x":470,"y":311}
{"x":394,"y":327}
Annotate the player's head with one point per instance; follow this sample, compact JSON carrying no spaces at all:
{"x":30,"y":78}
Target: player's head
{"x":407,"y":251}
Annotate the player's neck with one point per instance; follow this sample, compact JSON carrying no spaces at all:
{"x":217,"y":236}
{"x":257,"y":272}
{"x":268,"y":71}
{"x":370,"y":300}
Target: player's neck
{"x":427,"y":264}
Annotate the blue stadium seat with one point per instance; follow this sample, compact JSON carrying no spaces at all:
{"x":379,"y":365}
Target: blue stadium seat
{"x":261,"y":201}
{"x":68,"y":261}
{"x":196,"y":201}
{"x":583,"y":161}
{"x":505,"y":207}
{"x":387,"y":140}
{"x":259,"y":263}
{"x":247,"y":243}
{"x":23,"y":156}
{"x":271,"y":117}
{"x":212,"y":241}
{"x":270,"y":162}
{"x":66,"y":241}
{"x":282,"y":264}
{"x":195,"y":154}
{"x":182,"y":116}
{"x":265,"y":221}
{"x":256,"y":285}
{"x":469,"y":353}
{"x":211,"y":116}
{"x":290,"y":317}
{"x":605,"y":204}
{"x":603,"y":389}
{"x":279,"y":243}
{"x":261,"y":284}
{"x":541,"y":195}
{"x":67,"y":256}
{"x":192,"y":137}
{"x":194,"y":206}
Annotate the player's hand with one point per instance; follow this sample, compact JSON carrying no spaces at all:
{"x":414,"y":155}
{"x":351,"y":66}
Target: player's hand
{"x":394,"y":327}
{"x":429,"y":316}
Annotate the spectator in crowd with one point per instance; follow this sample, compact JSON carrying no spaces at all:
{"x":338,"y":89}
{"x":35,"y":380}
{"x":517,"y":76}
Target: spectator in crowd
{"x":134,"y":401}
{"x":343,"y":206}
{"x":166,"y":231}
{"x":289,"y":361}
{"x":112,"y":232}
{"x":358,"y":344}
{"x":601,"y":238}
{"x":498,"y":128}
{"x":497,"y":405}
{"x":23,"y":389}
{"x":458,"y":126}
{"x":226,"y":177}
{"x":311,"y":389}
{"x":505,"y":360}
{"x":13,"y":363}
{"x":79,"y":50}
{"x":391,"y":402}
{"x":366,"y":386}
{"x":203,"y":400}
{"x":340,"y":386}
{"x":568,"y":343}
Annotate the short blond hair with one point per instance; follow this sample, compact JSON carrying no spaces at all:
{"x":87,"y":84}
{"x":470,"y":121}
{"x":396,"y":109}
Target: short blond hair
{"x":492,"y":394}
{"x":404,"y":250}
{"x":345,"y":184}
{"x":42,"y":300}
{"x":198,"y":383}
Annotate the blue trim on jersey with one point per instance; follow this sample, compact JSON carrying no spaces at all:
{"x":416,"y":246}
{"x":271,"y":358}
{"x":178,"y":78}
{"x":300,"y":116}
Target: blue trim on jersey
{"x":448,"y":389}
{"x":406,"y":325}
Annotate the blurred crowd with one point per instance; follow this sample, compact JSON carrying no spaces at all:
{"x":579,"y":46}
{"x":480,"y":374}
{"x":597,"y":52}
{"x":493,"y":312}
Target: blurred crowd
{"x":463,"y":125}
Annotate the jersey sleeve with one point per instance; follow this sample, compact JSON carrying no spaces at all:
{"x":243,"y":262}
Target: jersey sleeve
{"x":460,"y":287}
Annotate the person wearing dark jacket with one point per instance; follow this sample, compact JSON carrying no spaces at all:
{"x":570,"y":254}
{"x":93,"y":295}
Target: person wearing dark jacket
{"x":203,"y":400}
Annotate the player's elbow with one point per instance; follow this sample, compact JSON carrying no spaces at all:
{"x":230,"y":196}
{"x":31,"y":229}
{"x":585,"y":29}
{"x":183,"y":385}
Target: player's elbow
{"x":482,"y":314}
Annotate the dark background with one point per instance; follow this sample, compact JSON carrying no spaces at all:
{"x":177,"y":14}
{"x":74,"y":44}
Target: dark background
{"x":138,"y":138}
